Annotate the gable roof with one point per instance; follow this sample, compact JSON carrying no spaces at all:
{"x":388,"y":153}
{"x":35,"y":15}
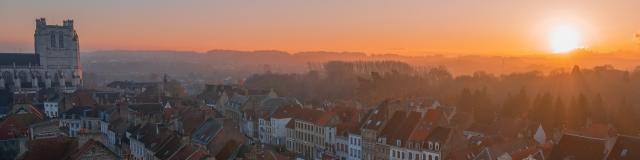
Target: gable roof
{"x":188,"y":152}
{"x":170,"y":146}
{"x":90,"y":146}
{"x":17,"y":125}
{"x":578,"y":147}
{"x":315,"y":116}
{"x":440,"y":135}
{"x":51,"y":148}
{"x":205,"y":133}
{"x":426,"y":124}
{"x":153,"y":136}
{"x":376,"y":119}
{"x":626,"y":147}
{"x":191,"y":120}
{"x":228,"y":151}
{"x":147,"y":108}
{"x":394,"y":123}
{"x":409,"y":123}
{"x":484,"y":155}
{"x":80,"y":111}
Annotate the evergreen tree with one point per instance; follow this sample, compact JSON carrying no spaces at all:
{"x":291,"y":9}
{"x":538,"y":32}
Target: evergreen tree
{"x":626,"y":118}
{"x":509,"y":107}
{"x":465,"y":100}
{"x":598,"y":110}
{"x":559,"y":113}
{"x":579,"y":112}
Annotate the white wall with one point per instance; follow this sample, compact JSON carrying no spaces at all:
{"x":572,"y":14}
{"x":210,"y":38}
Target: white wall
{"x":355,"y":146}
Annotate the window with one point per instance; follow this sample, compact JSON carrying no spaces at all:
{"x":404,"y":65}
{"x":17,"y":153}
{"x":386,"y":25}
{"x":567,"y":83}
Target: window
{"x":60,"y":39}
{"x":53,"y":39}
{"x":410,"y":156}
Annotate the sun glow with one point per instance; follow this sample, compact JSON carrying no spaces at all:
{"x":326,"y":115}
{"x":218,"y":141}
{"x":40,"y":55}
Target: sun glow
{"x":564,"y":39}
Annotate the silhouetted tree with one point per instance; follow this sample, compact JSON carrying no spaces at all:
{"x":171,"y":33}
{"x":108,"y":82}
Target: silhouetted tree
{"x":598,"y":110}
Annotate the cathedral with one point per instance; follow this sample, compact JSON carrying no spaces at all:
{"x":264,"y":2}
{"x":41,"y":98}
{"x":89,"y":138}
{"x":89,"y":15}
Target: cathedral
{"x":55,"y":63}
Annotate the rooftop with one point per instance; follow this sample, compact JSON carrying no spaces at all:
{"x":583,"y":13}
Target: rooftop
{"x":205,"y":133}
{"x":578,"y":147}
{"x":19,"y":59}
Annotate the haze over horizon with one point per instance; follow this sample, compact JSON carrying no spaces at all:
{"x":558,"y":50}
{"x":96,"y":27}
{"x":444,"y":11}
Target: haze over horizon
{"x":413,"y":27}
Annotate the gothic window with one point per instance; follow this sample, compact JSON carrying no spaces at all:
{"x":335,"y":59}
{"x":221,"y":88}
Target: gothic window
{"x":60,"y":39}
{"x":53,"y":39}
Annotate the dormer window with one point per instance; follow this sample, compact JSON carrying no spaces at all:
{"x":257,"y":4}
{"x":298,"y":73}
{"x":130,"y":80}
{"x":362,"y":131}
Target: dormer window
{"x":437,"y":146}
{"x":398,"y":143}
{"x":430,"y":146}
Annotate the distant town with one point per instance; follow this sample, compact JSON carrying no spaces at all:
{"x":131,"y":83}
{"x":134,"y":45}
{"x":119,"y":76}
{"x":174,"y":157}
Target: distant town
{"x":342,"y":110}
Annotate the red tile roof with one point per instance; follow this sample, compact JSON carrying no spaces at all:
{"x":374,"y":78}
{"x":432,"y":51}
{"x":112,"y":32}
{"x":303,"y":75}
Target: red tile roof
{"x":82,"y":98}
{"x":625,"y":148}
{"x":393,"y":124}
{"x":524,"y":153}
{"x":188,"y":152}
{"x":17,"y":125}
{"x":578,"y":147}
{"x":428,"y":121}
{"x":290,"y":111}
{"x":376,"y":118}
{"x":191,"y":120}
{"x":227,"y":151}
{"x":316,"y":116}
{"x":291,"y":124}
{"x":89,"y":145}
{"x":52,"y":148}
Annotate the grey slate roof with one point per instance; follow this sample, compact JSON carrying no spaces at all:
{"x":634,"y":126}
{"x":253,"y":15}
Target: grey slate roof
{"x":20,"y":59}
{"x":207,"y":131}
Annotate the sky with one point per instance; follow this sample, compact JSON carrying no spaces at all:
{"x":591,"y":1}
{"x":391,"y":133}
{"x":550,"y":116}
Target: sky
{"x":410,"y":27}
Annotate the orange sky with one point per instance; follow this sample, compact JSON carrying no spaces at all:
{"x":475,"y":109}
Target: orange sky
{"x":412,"y":27}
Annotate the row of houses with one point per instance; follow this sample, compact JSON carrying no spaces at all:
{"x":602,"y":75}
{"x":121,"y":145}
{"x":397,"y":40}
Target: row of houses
{"x":396,"y":129}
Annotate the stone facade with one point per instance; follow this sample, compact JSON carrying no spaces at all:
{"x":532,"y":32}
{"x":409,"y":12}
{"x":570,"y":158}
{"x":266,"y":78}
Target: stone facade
{"x":55,"y":64}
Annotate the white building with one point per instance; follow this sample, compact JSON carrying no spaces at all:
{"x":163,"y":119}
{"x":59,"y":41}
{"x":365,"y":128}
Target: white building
{"x":52,"y":106}
{"x":355,"y":146}
{"x":80,"y":120}
{"x":342,"y":147}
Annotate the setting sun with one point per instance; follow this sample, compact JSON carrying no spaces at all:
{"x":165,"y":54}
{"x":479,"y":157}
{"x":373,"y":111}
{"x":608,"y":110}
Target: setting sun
{"x":564,"y":39}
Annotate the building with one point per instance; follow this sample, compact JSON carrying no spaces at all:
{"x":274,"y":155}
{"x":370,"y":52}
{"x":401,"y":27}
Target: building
{"x":46,"y":129}
{"x":625,"y":147}
{"x":94,"y":150}
{"x":54,"y":105}
{"x":81,"y":120}
{"x":578,"y":147}
{"x":371,"y":129}
{"x":146,"y":141}
{"x":313,"y":133}
{"x":55,"y":64}
{"x":355,"y":146}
